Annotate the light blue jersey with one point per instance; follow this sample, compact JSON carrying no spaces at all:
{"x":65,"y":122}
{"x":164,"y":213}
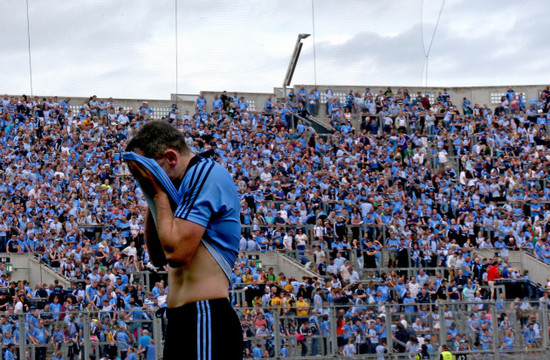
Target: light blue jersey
{"x":207,"y":196}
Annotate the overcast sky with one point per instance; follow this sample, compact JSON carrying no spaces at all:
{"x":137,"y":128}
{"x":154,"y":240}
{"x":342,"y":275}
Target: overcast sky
{"x":127,"y":48}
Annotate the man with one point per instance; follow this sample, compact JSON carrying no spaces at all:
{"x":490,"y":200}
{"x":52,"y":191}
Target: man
{"x":38,"y":337}
{"x":492,"y":275}
{"x":445,"y":353}
{"x":197,"y":238}
{"x":131,"y":250}
{"x":131,"y":354}
{"x":8,"y":355}
{"x":145,"y":110}
{"x":536,"y":329}
{"x":529,"y":334}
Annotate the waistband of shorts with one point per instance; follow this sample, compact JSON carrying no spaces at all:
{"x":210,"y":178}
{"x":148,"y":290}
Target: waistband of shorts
{"x":192,"y":307}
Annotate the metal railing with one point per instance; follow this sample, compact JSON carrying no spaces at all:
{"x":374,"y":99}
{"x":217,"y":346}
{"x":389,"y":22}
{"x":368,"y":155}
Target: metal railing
{"x":319,"y":127}
{"x":475,"y":328}
{"x":441,"y":323}
{"x":315,"y":124}
{"x":79,"y":340}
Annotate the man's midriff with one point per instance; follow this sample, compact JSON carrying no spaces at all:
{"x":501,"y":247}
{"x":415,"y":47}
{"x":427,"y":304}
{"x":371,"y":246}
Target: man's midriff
{"x":201,"y":279}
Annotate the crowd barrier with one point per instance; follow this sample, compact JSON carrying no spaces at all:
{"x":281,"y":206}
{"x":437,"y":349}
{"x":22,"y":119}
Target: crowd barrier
{"x":84,"y":345}
{"x":324,"y":340}
{"x":437,"y":328}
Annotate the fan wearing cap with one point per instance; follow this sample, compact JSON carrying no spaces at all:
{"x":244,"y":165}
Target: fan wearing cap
{"x":145,"y":110}
{"x":174,"y":113}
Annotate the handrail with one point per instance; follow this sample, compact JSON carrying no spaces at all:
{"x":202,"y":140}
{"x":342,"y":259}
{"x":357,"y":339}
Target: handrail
{"x":325,"y":344}
{"x":318,"y":126}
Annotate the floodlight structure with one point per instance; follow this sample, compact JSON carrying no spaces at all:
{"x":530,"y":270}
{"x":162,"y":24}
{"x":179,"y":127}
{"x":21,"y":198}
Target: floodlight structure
{"x":293,"y":61}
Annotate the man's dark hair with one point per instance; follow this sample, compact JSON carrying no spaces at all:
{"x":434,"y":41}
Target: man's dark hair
{"x":157,"y":136}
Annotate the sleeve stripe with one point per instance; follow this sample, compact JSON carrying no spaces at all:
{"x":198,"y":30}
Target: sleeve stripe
{"x":192,"y":185}
{"x":198,"y":191}
{"x":193,"y":179}
{"x":192,"y":193}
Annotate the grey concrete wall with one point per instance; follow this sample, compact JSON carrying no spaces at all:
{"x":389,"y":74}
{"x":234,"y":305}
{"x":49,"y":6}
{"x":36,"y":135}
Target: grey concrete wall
{"x":161,"y":107}
{"x":481,"y":95}
{"x":283,"y":264}
{"x":26,"y":267}
{"x":477,"y":94}
{"x":256,"y":101}
{"x":539,"y":272}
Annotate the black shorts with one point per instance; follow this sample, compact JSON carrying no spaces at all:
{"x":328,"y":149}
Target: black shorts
{"x":203,"y":330}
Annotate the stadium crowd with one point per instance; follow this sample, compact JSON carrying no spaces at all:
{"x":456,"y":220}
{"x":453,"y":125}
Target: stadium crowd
{"x":423,"y":183}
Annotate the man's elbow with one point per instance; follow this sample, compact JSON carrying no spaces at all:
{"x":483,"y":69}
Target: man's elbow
{"x":177,"y":258}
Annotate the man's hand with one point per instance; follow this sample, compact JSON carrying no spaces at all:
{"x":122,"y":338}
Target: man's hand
{"x":147,"y":181}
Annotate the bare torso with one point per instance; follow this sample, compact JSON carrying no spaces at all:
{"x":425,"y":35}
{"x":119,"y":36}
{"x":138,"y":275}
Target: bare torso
{"x":201,"y":279}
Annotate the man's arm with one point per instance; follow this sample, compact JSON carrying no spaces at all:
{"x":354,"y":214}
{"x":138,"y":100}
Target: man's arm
{"x":32,"y":338}
{"x":179,"y":238}
{"x":152,"y":242}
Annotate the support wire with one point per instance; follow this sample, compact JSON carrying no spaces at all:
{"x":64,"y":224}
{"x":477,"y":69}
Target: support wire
{"x":427,"y":52}
{"x":314,"y":53}
{"x":29,"y":49}
{"x":176,"y":40}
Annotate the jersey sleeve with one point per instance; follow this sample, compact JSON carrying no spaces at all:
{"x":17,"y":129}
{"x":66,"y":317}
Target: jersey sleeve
{"x":201,"y":198}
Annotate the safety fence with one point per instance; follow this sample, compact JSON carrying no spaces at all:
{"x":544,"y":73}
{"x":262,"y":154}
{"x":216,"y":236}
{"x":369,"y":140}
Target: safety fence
{"x":81,"y":334}
{"x":489,"y":330}
{"x":389,"y":330}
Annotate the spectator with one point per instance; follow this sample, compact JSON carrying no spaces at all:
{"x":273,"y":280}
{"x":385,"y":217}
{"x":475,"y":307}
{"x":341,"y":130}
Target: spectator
{"x":504,"y":168}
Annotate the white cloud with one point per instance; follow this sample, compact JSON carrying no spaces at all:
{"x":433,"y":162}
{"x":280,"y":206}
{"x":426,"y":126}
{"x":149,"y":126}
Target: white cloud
{"x":127,"y":48}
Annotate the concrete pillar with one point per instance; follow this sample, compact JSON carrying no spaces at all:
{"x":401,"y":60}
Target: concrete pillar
{"x":442,"y":327}
{"x":277,"y":332}
{"x":157,"y":337}
{"x":86,"y":335}
{"x":389,"y":332}
{"x":22,"y":336}
{"x":333,"y":337}
{"x":494,"y":329}
{"x":544,"y":325}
